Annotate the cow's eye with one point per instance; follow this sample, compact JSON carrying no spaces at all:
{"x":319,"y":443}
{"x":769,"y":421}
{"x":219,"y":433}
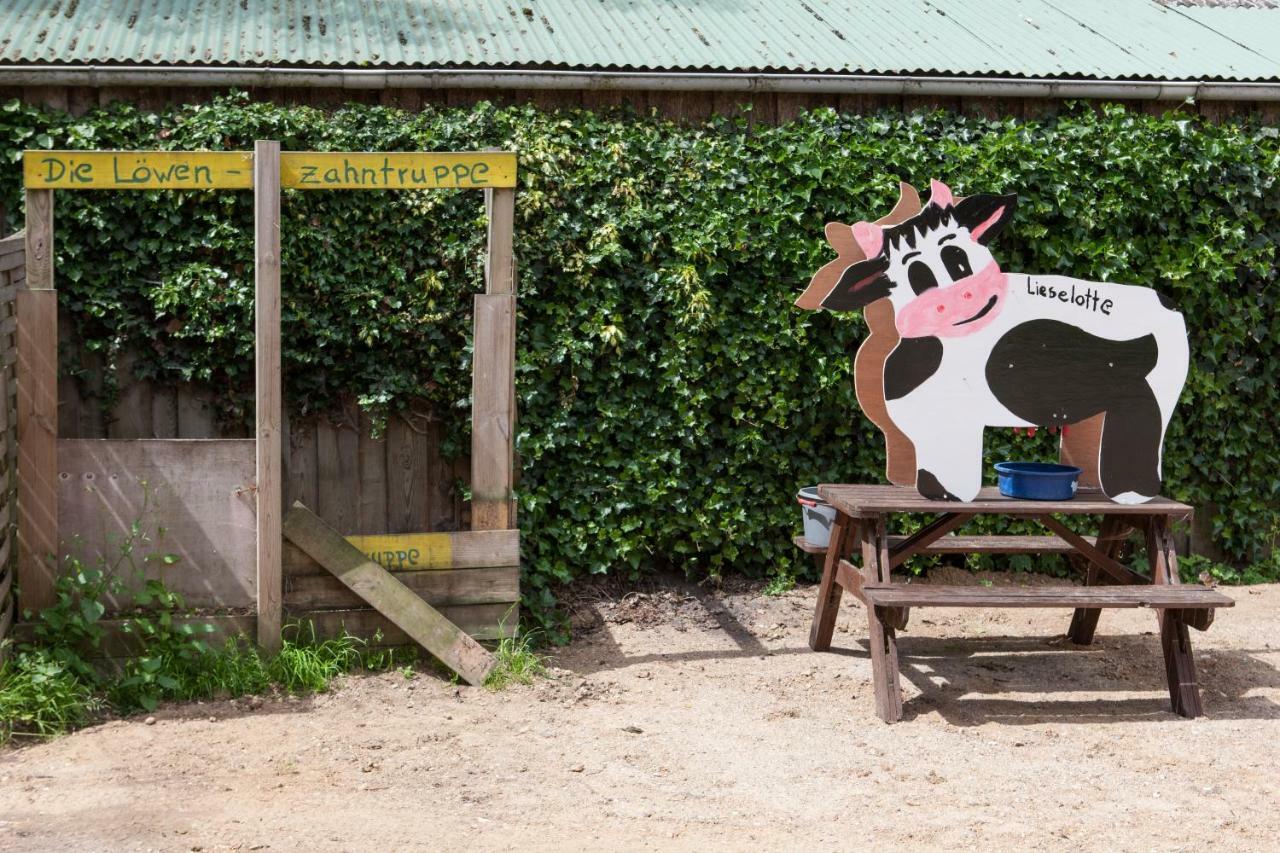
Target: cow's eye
{"x":921,"y":277}
{"x":956,"y":262}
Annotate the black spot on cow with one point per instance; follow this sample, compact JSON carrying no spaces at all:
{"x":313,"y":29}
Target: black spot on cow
{"x":1055,"y":374}
{"x":1166,"y":301}
{"x":912,"y":361}
{"x":927,"y":484}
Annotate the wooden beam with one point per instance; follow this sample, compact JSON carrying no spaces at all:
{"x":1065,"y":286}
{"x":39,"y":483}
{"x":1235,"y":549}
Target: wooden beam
{"x":39,"y":240}
{"x":485,"y":622}
{"x":1180,"y":666}
{"x":1163,"y":558}
{"x":493,"y":410}
{"x":887,"y":595}
{"x":844,"y":532}
{"x":1084,"y":620}
{"x":37,"y":380}
{"x":851,"y":580}
{"x":1113,"y":567}
{"x":493,"y":413}
{"x":924,"y":537}
{"x":499,"y":267}
{"x":388,"y":596}
{"x":494,"y":585}
{"x":270,"y":462}
{"x":463,"y":549}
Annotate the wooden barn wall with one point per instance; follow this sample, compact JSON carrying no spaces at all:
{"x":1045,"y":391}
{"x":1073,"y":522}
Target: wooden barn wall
{"x":767,"y":107}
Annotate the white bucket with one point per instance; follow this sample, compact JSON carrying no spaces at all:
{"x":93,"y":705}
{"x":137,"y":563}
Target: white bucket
{"x":818,"y":516}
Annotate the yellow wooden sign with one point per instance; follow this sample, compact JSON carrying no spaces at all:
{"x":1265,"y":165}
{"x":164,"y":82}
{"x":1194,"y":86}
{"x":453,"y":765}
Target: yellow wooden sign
{"x":138,"y":170}
{"x":407,"y":550}
{"x":337,"y":170}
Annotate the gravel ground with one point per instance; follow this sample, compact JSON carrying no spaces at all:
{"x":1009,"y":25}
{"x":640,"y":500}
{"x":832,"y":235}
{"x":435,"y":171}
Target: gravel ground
{"x":683,"y":718}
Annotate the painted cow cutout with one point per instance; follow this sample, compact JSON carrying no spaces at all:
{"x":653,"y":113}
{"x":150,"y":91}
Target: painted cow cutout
{"x":958,"y":345}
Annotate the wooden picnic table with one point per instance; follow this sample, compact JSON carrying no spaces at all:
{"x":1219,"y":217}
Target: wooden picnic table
{"x":861,"y":526}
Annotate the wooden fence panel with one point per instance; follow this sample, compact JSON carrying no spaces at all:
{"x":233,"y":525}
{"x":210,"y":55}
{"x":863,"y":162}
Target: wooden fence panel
{"x":37,"y":421}
{"x":398,"y":483}
{"x":12,"y":274}
{"x":199,"y":493}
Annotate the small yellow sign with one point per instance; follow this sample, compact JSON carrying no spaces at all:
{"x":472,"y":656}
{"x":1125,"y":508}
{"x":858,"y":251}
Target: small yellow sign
{"x":138,"y":170}
{"x":329,"y":170}
{"x":419,"y":551}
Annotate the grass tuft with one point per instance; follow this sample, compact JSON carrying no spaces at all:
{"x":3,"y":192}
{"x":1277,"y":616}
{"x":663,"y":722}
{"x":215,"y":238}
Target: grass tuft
{"x":516,"y":663}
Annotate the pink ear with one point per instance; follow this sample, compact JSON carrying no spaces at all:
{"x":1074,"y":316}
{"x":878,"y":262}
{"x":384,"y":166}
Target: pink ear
{"x":977,"y":231}
{"x":870,"y":238}
{"x":940,"y":194}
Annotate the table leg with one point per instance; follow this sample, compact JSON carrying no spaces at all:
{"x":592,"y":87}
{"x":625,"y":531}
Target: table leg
{"x":884,"y":666}
{"x":877,"y":567}
{"x":881,"y":623}
{"x":1175,"y":641}
{"x":843,"y":531}
{"x":1084,"y":621}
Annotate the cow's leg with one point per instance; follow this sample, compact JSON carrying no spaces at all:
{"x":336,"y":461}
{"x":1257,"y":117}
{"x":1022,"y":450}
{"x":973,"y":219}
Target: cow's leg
{"x":1129,"y":454}
{"x":949,"y":456}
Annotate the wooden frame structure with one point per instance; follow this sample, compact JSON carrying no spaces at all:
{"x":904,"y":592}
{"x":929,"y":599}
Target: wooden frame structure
{"x":861,"y":524}
{"x":266,"y":171}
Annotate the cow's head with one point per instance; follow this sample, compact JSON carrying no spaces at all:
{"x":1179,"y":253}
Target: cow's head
{"x":934,"y":267}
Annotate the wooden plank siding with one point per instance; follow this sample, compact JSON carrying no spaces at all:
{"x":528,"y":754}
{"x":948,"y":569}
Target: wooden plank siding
{"x":398,"y":483}
{"x":762,"y":107}
{"x":12,"y":273}
{"x":37,"y":411}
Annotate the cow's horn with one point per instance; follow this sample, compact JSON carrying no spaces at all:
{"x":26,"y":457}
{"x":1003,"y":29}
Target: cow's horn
{"x":908,"y":205}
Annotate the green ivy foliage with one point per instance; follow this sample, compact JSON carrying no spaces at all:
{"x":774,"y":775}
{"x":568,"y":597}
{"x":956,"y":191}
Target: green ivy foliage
{"x":671,"y":398}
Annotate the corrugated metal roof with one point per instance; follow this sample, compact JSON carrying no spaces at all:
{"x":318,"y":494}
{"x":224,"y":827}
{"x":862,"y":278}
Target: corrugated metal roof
{"x":1106,"y":39}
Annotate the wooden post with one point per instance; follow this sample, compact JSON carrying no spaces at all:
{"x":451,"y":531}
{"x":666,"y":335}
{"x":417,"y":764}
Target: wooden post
{"x":37,"y":376}
{"x":266,"y":218}
{"x":493,"y":407}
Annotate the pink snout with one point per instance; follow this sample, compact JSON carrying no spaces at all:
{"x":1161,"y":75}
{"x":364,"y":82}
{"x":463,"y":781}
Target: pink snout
{"x":961,"y":308}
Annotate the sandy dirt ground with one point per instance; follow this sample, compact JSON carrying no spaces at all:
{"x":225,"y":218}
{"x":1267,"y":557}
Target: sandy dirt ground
{"x":684,"y":718}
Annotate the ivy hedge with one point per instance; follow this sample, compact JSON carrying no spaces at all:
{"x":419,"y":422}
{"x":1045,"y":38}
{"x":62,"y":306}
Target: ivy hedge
{"x":671,"y":399}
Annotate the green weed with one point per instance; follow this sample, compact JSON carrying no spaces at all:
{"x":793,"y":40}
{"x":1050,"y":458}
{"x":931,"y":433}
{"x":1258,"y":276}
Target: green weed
{"x":40,"y":696}
{"x":516,"y":663}
{"x":780,"y":583}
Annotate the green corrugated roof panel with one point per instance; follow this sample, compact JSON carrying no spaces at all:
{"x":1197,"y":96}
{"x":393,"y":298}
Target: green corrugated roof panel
{"x":1108,"y":39}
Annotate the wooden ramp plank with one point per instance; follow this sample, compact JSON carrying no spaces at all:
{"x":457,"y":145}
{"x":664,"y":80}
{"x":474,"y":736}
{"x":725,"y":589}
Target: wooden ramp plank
{"x":388,"y":596}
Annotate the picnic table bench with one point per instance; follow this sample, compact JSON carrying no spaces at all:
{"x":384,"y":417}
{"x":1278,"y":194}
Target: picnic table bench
{"x":861,"y":524}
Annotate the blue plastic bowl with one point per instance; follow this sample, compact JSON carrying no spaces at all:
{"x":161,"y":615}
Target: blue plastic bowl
{"x":1037,"y":481}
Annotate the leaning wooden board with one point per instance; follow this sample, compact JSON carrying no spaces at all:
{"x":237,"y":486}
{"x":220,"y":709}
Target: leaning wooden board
{"x":401,"y":605}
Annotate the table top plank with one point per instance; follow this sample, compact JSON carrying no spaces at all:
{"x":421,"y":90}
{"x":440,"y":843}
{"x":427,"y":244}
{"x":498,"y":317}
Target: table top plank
{"x":860,"y":501}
